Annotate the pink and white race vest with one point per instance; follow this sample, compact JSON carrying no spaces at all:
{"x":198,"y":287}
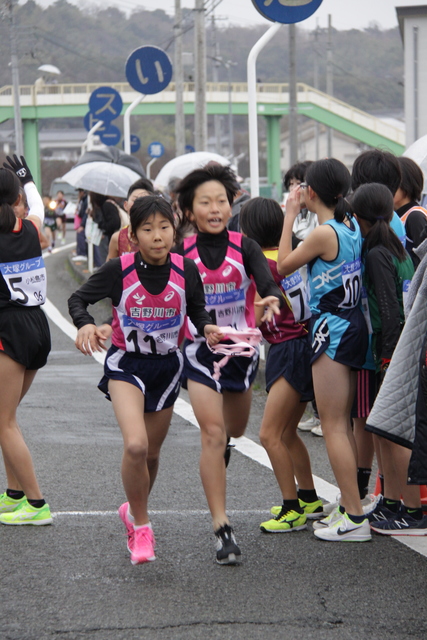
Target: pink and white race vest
{"x":229,"y":292}
{"x":145,"y":323}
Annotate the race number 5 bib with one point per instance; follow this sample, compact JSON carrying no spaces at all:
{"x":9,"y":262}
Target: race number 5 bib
{"x":26,"y":281}
{"x":351,"y":273}
{"x":296,"y":293}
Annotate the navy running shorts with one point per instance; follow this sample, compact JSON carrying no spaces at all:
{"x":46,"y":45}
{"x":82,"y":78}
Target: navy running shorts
{"x":291,"y":359}
{"x":236,"y":376}
{"x":158,"y":377}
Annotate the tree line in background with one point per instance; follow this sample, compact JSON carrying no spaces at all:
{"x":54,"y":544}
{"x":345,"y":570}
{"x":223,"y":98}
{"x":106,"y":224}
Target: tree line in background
{"x":91,"y":44}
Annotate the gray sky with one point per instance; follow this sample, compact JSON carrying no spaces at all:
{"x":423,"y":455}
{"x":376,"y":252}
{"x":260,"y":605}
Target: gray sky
{"x":346,"y":14}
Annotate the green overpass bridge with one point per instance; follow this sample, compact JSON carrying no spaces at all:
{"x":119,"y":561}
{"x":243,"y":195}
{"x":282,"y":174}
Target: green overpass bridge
{"x":71,"y":101}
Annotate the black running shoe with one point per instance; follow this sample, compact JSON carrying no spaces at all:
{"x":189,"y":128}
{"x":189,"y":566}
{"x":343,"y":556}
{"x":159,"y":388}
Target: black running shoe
{"x":380,"y":513}
{"x":227,"y":551}
{"x":227,"y":452}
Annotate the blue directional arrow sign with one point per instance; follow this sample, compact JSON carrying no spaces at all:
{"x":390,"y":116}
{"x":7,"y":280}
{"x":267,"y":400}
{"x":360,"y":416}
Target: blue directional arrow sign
{"x":105,"y":103}
{"x":135,"y":143}
{"x":155,"y":150}
{"x":110,"y":135}
{"x":286,"y":11}
{"x":148,"y":70}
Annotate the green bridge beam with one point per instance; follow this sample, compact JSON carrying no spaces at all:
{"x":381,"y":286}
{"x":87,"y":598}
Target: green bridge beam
{"x":272,"y":112}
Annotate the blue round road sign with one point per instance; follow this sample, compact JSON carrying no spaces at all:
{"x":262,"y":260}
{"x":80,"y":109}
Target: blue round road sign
{"x":155,"y":150}
{"x":189,"y":148}
{"x":148,"y":70}
{"x":135,"y":143}
{"x":110,"y":135}
{"x":286,"y":11}
{"x":105,"y":103}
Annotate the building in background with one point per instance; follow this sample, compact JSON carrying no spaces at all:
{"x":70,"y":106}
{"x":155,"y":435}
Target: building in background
{"x":413,"y":29}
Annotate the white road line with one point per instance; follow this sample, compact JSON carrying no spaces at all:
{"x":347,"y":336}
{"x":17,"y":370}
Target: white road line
{"x":244,"y":445}
{"x":159,"y":512}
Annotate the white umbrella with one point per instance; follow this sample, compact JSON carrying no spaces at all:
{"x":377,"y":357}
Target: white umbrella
{"x":49,"y":68}
{"x":182,"y":165}
{"x":106,"y":178}
{"x":417,"y":151}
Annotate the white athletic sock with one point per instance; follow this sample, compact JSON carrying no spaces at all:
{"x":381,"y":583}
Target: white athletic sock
{"x":136,"y":526}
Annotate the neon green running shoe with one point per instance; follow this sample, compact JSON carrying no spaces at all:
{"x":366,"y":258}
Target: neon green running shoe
{"x":312,"y":510}
{"x":27,"y":514}
{"x":9,"y":504}
{"x":285,"y":521}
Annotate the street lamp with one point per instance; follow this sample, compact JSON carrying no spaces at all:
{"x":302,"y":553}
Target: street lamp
{"x":228,"y":64}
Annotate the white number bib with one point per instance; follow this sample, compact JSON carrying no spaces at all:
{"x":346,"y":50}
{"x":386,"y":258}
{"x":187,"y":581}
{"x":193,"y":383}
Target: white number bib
{"x":26,"y":281}
{"x":296,"y":293}
{"x":351,"y":273}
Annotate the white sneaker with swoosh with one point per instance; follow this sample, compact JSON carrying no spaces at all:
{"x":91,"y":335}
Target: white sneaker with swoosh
{"x":345,"y":530}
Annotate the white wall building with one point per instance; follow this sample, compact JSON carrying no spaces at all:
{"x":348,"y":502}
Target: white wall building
{"x":413,"y":29}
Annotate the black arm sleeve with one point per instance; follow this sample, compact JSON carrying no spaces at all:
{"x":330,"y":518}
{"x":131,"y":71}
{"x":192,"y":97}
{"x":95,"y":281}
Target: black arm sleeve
{"x":256,"y":265}
{"x":382,"y":273}
{"x":195,"y":297}
{"x":415,"y":227}
{"x":105,"y":283}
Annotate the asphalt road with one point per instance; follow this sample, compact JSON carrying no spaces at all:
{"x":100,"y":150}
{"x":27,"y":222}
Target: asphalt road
{"x":74,"y":580}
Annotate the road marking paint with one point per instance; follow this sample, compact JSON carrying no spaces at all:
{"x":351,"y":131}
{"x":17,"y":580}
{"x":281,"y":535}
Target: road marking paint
{"x":244,"y":445}
{"x":160,"y":512}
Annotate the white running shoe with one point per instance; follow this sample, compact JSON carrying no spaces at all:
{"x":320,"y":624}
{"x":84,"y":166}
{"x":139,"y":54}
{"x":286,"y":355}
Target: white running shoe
{"x":345,"y":530}
{"x":317,"y":431}
{"x":79,"y":259}
{"x":368,"y":504}
{"x":333,"y":517}
{"x":308,"y":425}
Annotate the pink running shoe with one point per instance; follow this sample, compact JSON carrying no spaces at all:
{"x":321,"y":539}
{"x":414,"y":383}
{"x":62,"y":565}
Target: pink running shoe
{"x":143,"y":546}
{"x":123,"y":513}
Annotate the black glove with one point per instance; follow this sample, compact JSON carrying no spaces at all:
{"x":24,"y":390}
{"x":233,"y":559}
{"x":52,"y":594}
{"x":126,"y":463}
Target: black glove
{"x":20,"y":168}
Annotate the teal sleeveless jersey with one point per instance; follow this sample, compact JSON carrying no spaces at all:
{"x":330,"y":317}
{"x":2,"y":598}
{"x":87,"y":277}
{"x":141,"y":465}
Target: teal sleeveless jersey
{"x":335,"y":285}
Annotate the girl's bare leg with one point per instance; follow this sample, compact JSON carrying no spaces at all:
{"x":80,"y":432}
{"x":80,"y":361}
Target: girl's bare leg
{"x":208,"y":408}
{"x":15,"y":382}
{"x":334,"y":388}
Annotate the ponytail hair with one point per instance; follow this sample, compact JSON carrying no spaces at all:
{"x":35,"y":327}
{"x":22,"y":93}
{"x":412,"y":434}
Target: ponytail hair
{"x":330,"y":179}
{"x":374,"y":203}
{"x":9,"y":192}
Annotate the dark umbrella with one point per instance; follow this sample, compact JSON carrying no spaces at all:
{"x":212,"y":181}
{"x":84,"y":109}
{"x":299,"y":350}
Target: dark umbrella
{"x":112,"y":154}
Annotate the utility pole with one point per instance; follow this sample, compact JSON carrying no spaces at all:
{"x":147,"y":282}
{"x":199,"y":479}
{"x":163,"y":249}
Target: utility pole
{"x":19,"y":147}
{"x":179,"y":84}
{"x":293,"y":112}
{"x":215,"y":78}
{"x":200,"y":115}
{"x":228,"y":66}
{"x":329,"y":79}
{"x":316,"y":86}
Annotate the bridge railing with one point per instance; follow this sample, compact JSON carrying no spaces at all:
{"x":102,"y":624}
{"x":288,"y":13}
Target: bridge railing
{"x":273,"y":93}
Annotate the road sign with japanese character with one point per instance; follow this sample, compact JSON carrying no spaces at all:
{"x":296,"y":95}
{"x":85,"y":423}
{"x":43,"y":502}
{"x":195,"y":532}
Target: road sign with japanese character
{"x":286,"y":11}
{"x":110,"y":135}
{"x":105,"y":103}
{"x":155,"y":150}
{"x":148,"y":70}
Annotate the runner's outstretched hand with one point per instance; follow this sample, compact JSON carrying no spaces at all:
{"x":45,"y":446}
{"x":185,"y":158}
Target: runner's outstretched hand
{"x":19,"y":168}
